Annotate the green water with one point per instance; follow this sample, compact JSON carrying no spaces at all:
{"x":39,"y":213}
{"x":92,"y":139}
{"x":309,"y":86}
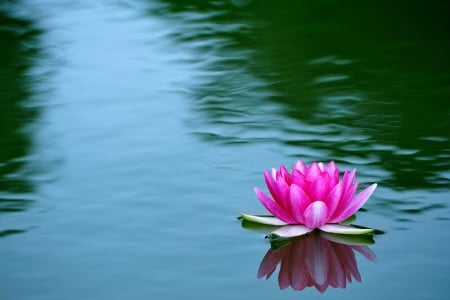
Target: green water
{"x":132,"y":134}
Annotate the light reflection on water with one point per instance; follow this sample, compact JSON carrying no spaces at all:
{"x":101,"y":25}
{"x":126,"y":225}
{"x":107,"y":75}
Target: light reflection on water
{"x":141,"y":129}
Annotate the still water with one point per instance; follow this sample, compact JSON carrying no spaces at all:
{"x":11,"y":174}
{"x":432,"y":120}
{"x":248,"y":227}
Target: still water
{"x":132,"y":134}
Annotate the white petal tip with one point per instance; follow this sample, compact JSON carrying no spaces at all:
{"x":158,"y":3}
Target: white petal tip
{"x":290,"y":231}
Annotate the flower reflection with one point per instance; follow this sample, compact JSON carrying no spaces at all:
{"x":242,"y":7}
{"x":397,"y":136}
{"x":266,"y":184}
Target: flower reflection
{"x":317,"y":260}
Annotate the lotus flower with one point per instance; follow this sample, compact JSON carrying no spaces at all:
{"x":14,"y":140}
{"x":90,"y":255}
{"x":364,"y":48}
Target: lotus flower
{"x":319,"y":260}
{"x":311,"y":197}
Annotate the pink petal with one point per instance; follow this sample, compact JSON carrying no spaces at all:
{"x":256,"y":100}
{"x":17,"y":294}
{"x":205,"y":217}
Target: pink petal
{"x":321,"y":166}
{"x":299,"y":200}
{"x":333,"y":198}
{"x":334,"y":177}
{"x":318,"y":188}
{"x":300,"y":166}
{"x":285,"y":174}
{"x":348,"y":179}
{"x":299,"y":179}
{"x":313,"y":172}
{"x":274,"y":173}
{"x":316,"y":214}
{"x":348,"y":190}
{"x":283,"y":193}
{"x":356,"y":203}
{"x":346,"y":199}
{"x":330,"y":168}
{"x":271,"y":185}
{"x":278,"y":189}
{"x":273,"y":207}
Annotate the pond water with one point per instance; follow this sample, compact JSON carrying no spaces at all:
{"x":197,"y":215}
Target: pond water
{"x":132,"y":134}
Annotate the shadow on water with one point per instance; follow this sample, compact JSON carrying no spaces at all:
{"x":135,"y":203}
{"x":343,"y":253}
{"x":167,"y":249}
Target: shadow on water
{"x":17,"y":37}
{"x":365,"y":83}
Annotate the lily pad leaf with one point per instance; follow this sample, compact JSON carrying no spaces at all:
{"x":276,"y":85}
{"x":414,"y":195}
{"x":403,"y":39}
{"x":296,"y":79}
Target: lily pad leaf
{"x":344,"y":229}
{"x":277,"y":243}
{"x":350,"y":239}
{"x":268,"y":220}
{"x":258,"y":226}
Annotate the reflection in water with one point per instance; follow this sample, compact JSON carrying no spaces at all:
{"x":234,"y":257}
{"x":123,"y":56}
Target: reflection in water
{"x":318,"y":260}
{"x":293,"y":74}
{"x":17,"y":37}
{"x":11,"y":232}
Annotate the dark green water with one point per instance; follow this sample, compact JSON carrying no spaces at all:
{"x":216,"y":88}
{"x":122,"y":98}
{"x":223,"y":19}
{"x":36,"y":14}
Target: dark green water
{"x":132,"y":134}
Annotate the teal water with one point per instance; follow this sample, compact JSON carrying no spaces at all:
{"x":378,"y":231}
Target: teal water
{"x":132,"y":134}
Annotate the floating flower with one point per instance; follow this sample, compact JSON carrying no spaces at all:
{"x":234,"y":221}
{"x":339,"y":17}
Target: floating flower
{"x":311,"y":197}
{"x":319,"y":260}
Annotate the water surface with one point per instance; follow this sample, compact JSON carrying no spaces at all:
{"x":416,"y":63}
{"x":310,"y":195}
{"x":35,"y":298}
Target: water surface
{"x":133,"y":132}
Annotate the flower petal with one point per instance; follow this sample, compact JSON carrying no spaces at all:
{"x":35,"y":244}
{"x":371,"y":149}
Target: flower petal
{"x":363,"y":196}
{"x":274,"y":173}
{"x":263,"y":220}
{"x":331,"y":168}
{"x":356,"y":203}
{"x":348,"y":191}
{"x":348,"y":186}
{"x":318,"y":188}
{"x":299,"y":179}
{"x":290,"y":231}
{"x":299,"y":200}
{"x":334,"y":177}
{"x":313,"y":172}
{"x":283,"y":193}
{"x":285,"y":174}
{"x":271,"y":185}
{"x":299,"y":165}
{"x":349,"y":194}
{"x":273,"y":207}
{"x":316,"y":214}
{"x":349,"y":178}
{"x":342,"y":229}
{"x":333,"y":199}
{"x":321,"y":166}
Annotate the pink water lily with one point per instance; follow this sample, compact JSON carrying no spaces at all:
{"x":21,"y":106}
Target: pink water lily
{"x":311,"y":197}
